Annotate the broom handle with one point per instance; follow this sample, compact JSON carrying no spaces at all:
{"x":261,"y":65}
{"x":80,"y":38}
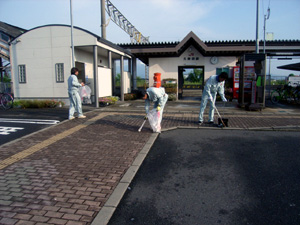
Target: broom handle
{"x":142,"y":126}
{"x":219,"y":115}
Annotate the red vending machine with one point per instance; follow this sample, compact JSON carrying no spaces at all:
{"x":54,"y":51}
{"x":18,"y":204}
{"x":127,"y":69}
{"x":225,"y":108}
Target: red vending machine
{"x":249,"y":77}
{"x":236,"y":75}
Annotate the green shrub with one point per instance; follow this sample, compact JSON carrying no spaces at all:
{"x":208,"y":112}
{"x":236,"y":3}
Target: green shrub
{"x":170,"y":90}
{"x":37,"y":103}
{"x":130,"y":96}
{"x":170,"y":86}
{"x":113,"y":99}
{"x":109,"y":100}
{"x":172,"y":97}
{"x":169,"y":83}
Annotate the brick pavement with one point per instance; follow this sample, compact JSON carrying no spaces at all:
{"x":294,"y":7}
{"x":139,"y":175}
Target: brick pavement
{"x":73,"y":168}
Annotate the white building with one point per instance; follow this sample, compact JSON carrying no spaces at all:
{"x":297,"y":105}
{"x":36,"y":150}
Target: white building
{"x":171,"y":59}
{"x":41,"y":60}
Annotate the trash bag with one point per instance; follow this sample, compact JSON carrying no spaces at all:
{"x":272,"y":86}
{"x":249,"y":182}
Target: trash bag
{"x":85,"y":94}
{"x":154,"y":118}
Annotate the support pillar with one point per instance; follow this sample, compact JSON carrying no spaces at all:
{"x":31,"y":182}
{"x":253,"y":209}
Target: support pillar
{"x":134,"y":73}
{"x":103,"y":20}
{"x":95,"y":64}
{"x":122,"y":78}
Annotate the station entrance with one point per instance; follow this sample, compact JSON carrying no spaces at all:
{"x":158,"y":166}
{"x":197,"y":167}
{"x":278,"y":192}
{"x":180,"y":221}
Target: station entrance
{"x":190,"y":82}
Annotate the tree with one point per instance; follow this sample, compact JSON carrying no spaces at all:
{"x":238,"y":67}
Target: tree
{"x":195,"y":76}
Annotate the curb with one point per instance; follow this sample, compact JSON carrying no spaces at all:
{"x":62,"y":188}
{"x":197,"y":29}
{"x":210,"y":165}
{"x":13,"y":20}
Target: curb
{"x":106,"y":212}
{"x":277,"y":128}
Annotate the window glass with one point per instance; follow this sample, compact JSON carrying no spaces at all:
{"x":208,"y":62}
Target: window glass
{"x":59,"y":72}
{"x":22,"y":74}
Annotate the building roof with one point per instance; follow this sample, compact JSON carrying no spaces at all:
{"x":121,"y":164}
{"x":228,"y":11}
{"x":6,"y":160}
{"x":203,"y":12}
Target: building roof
{"x":11,"y":30}
{"x":211,"y":48}
{"x":99,"y":39}
{"x":294,"y":66}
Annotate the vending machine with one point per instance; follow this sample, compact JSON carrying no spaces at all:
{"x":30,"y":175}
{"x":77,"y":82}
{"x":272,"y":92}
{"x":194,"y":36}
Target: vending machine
{"x":249,"y":77}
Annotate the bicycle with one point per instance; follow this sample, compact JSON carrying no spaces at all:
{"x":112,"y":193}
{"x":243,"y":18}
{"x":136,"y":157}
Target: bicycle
{"x":6,"y":100}
{"x":297,"y":94}
{"x":287,"y":94}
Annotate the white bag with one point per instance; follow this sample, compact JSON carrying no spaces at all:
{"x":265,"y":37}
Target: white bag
{"x":85,"y":91}
{"x":154,"y":118}
{"x":85,"y":94}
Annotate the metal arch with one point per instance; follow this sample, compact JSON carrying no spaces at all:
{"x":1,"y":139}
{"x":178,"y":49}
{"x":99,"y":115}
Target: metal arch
{"x":118,"y":18}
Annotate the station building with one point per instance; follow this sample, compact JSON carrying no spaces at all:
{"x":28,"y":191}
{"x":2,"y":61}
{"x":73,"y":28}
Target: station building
{"x":41,"y":59}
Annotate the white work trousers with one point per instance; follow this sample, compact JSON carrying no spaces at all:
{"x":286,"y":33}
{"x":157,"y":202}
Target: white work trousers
{"x":205,"y":98}
{"x":75,"y":103}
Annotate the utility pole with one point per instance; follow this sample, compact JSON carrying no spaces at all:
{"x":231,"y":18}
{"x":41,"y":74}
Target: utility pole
{"x":257,"y":26}
{"x":266,"y":18}
{"x":72,"y":44}
{"x":103,"y":20}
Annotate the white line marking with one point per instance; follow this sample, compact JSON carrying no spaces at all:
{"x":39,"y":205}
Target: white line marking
{"x":8,"y":130}
{"x":32,"y":121}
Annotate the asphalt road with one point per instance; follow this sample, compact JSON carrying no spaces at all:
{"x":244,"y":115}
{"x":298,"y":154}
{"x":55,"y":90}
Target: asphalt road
{"x":16,"y":123}
{"x":197,"y":176}
{"x":13,"y":131}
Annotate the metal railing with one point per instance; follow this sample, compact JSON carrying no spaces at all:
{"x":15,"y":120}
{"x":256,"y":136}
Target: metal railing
{"x":6,"y":87}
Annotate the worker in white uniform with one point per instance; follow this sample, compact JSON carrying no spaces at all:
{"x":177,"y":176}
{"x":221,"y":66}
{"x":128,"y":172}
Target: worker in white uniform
{"x":74,"y":97}
{"x":213,"y":85}
{"x":156,"y":95}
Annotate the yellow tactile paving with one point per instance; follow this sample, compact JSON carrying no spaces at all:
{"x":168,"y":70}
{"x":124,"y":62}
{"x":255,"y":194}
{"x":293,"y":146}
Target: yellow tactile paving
{"x":21,"y":155}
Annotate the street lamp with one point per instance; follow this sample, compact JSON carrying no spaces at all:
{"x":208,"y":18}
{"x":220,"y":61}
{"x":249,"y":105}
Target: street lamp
{"x":266,"y":18}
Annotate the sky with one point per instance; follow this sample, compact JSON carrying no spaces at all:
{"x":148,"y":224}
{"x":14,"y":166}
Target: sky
{"x":167,"y":20}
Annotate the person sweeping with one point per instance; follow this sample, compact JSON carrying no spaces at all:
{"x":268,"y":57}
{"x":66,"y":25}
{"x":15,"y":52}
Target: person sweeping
{"x":213,"y":85}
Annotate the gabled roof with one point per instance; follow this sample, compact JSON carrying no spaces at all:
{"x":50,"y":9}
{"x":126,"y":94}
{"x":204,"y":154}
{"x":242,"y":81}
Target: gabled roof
{"x":218,"y":48}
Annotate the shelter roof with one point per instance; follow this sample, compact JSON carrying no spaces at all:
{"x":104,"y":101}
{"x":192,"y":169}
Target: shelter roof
{"x":210,"y":48}
{"x":294,"y":66}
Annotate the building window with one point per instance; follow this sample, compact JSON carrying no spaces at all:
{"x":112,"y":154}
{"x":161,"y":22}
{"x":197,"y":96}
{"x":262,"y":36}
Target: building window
{"x":22,"y":74}
{"x":59,"y":72}
{"x":4,"y":37}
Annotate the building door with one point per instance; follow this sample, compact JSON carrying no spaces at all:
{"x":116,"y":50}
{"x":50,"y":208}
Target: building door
{"x":190,"y":82}
{"x":81,"y":69}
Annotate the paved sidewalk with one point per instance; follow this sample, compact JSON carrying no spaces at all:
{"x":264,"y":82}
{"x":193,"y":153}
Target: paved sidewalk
{"x":77,"y":171}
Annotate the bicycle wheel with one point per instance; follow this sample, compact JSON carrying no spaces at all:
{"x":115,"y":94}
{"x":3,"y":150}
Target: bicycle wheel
{"x":286,"y":97}
{"x":275,"y":96}
{"x":7,"y":101}
{"x":297,"y":97}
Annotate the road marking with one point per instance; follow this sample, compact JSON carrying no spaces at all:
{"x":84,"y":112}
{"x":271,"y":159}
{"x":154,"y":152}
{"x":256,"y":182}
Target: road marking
{"x":8,"y":130}
{"x":32,"y":121}
{"x":21,"y":155}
